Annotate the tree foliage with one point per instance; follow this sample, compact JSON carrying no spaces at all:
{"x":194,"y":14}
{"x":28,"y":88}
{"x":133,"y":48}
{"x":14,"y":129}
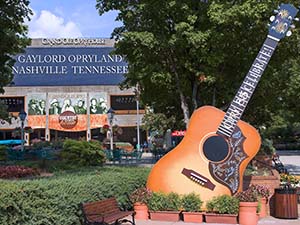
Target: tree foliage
{"x":157,"y":122}
{"x":185,"y":54}
{"x":12,"y":39}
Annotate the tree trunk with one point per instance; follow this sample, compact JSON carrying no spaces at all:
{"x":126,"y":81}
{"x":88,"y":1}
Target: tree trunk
{"x":183,"y":102}
{"x":195,"y":91}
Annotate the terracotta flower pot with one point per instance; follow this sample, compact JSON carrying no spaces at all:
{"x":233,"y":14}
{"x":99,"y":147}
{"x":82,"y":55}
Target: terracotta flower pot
{"x":141,"y":211}
{"x":220,"y":218}
{"x":193,"y":217}
{"x":247,"y":213}
{"x":263,"y":208}
{"x":165,"y":215}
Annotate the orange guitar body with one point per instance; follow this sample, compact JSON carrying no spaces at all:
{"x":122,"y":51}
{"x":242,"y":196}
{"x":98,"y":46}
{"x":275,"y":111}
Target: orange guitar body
{"x":166,"y":175}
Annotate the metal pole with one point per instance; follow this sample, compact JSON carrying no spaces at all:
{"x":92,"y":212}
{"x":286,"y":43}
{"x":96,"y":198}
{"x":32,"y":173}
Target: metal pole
{"x":138,"y":123}
{"x":22,"y":136}
{"x":111,"y":136}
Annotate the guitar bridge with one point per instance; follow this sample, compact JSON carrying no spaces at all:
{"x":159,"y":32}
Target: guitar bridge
{"x":194,"y":176}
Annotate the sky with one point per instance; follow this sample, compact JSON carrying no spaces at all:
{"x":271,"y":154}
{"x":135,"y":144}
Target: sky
{"x":69,"y":18}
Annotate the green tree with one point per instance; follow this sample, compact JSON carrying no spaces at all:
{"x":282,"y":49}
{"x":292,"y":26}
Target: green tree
{"x":12,"y":37}
{"x":185,"y":54}
{"x":157,"y":122}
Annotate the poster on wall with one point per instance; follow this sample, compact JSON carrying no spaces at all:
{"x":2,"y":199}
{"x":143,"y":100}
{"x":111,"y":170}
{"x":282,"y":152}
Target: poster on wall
{"x":14,"y":106}
{"x":98,"y":109}
{"x":67,"y":111}
{"x":36,"y":105}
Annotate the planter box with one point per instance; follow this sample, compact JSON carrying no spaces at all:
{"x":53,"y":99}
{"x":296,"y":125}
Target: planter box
{"x":193,"y":217}
{"x":221,"y":218}
{"x":165,"y":215}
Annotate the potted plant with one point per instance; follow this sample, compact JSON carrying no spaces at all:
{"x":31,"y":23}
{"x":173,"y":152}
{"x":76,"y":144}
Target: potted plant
{"x":222,"y":209}
{"x":191,"y":204}
{"x":248,"y":203}
{"x":164,"y":207}
{"x":286,"y":197}
{"x":264,"y":193}
{"x":140,"y":198}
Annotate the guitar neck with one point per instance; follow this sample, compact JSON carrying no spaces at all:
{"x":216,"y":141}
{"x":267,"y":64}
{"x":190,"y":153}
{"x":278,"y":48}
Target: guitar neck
{"x":247,"y":88}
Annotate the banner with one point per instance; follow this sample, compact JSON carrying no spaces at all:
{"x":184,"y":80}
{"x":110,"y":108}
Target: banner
{"x":68,"y":111}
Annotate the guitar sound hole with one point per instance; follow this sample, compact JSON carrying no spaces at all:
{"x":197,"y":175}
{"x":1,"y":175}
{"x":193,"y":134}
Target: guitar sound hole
{"x":215,"y":148}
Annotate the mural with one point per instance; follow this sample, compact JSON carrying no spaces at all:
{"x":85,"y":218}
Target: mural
{"x":67,"y":111}
{"x":98,"y":109}
{"x":36,"y":105}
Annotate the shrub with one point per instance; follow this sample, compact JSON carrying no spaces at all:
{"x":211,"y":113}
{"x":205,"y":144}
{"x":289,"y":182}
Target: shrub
{"x":261,"y":190}
{"x":173,"y":202}
{"x":223,"y":204}
{"x":55,"y":200}
{"x":157,"y":202}
{"x":141,"y":195}
{"x":3,"y":153}
{"x":249,"y":195}
{"x":267,"y":147}
{"x":164,"y":202}
{"x":41,"y":144}
{"x":7,"y":172}
{"x":191,"y":202}
{"x":82,"y":153}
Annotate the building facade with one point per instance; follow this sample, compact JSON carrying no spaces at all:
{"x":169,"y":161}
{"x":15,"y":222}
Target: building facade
{"x":66,"y":87}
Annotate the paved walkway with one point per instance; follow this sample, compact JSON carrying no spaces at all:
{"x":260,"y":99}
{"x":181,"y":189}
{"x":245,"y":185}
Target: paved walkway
{"x":264,"y":221}
{"x":291,"y":161}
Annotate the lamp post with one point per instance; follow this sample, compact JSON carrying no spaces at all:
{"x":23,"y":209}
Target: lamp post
{"x":137,"y":96}
{"x":110,"y":115}
{"x":22,"y":116}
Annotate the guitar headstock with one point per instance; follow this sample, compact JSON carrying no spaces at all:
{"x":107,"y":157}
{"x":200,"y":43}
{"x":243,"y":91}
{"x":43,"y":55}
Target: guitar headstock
{"x":282,"y":21}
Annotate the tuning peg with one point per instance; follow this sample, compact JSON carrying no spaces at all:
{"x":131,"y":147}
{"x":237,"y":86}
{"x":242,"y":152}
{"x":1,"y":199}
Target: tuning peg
{"x":292,"y":26}
{"x":272,"y":18}
{"x":296,"y":19}
{"x":289,"y":33}
{"x":276,"y":11}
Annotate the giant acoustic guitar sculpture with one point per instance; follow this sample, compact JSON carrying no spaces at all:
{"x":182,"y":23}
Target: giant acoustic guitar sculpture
{"x":217,"y":147}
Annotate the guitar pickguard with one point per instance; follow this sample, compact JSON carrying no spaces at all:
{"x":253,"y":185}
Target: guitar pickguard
{"x":227,"y":172}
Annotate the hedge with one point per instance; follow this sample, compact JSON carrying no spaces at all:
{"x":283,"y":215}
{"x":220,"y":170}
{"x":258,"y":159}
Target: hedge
{"x":56,"y":200}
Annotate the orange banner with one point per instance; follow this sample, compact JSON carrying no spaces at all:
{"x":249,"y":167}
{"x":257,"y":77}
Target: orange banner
{"x":56,"y":122}
{"x":98,"y":120}
{"x":36,"y":121}
{"x":81,"y":125}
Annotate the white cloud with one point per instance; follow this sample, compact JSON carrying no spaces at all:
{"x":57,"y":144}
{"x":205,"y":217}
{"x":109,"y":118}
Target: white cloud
{"x":48,"y":25}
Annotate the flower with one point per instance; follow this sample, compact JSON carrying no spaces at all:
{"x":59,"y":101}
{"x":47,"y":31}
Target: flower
{"x":250,"y":195}
{"x":261,"y":190}
{"x":141,"y":195}
{"x":289,"y":181}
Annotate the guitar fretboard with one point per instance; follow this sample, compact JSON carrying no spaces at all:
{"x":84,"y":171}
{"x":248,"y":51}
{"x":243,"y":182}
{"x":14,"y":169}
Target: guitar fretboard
{"x":247,"y":88}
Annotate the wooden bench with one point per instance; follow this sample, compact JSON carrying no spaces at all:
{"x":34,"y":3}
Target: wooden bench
{"x":105,"y":212}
